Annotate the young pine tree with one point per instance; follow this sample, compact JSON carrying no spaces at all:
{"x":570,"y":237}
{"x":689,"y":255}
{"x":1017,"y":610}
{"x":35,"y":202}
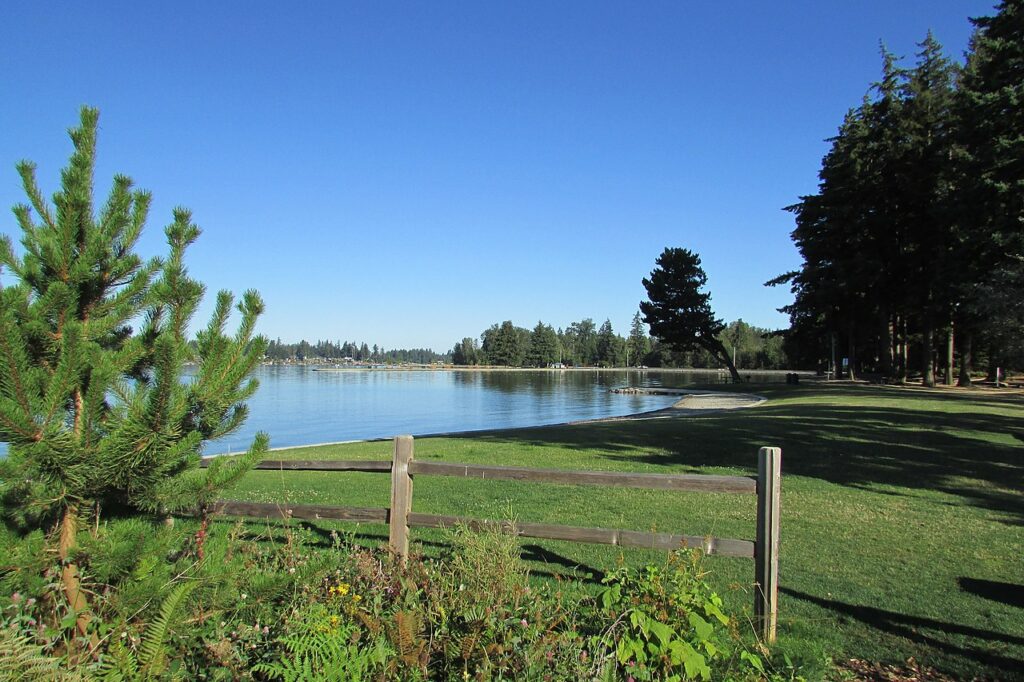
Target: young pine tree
{"x":94,"y":411}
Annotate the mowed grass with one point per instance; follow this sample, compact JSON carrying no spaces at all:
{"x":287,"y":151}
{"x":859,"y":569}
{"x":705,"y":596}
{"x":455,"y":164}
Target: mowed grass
{"x":902,"y":511}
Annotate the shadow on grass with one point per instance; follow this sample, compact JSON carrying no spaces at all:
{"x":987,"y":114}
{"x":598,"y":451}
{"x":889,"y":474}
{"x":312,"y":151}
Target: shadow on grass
{"x":917,"y":440}
{"x":577,"y":571}
{"x":1004,"y":593}
{"x":912,"y":627}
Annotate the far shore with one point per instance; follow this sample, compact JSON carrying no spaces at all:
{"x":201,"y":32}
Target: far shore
{"x":498,"y":368}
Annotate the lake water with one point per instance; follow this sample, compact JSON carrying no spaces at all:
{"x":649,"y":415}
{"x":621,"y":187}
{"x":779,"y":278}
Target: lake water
{"x":301,"y":406}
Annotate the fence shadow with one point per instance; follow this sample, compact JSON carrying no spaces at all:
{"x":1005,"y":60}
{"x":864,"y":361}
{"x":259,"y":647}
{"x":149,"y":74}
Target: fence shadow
{"x":913,"y":628}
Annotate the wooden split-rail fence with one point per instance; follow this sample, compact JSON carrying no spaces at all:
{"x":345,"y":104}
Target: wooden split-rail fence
{"x":764,"y":549}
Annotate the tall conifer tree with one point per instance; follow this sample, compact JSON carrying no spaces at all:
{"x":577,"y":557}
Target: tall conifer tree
{"x":95,"y":412}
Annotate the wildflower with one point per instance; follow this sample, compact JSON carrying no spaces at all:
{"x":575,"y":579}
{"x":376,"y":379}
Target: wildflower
{"x":243,"y":596}
{"x":266,"y":629}
{"x":291,"y":570}
{"x":30,"y":602}
{"x":16,"y":597}
{"x":523,"y":622}
{"x":335,"y":621}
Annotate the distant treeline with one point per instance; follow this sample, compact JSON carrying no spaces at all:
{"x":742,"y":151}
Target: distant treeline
{"x":584,"y":344}
{"x":336,"y":351}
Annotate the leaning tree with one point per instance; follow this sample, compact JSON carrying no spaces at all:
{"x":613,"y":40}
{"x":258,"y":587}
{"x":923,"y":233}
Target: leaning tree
{"x":678,"y":312}
{"x":94,"y":403}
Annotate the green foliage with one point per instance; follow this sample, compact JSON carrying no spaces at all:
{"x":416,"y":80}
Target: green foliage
{"x":152,"y":660}
{"x":544,"y":347}
{"x":667,"y":624}
{"x":23,"y":660}
{"x":915,"y":232}
{"x":505,"y":344}
{"x":638,"y":345}
{"x":93,"y":410}
{"x":317,"y":646}
{"x":678,"y":311}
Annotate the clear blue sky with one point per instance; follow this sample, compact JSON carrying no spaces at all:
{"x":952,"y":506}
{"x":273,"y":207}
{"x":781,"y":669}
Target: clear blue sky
{"x":409,"y":173}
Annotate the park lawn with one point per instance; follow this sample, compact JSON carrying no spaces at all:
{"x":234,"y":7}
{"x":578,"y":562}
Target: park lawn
{"x":902,"y":511}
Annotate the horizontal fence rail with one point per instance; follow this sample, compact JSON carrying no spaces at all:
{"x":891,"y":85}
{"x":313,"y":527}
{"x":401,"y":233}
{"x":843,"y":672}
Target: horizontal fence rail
{"x":400,"y":517}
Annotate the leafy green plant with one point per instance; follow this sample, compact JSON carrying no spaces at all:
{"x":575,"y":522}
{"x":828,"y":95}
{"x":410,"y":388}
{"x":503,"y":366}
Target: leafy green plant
{"x":152,"y":660}
{"x":667,"y":624}
{"x":319,"y":645}
{"x":24,"y":660}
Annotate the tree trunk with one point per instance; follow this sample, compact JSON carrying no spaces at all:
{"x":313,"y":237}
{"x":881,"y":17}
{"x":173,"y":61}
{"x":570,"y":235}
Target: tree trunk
{"x":928,"y":352}
{"x":69,"y":574}
{"x":949,"y":355}
{"x":851,"y":354}
{"x":718,"y":351}
{"x":900,"y":348}
{"x":966,"y":359}
{"x":885,"y":347}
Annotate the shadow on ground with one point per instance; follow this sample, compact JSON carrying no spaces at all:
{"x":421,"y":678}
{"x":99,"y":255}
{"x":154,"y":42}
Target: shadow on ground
{"x":927,"y":631}
{"x":926,"y":441}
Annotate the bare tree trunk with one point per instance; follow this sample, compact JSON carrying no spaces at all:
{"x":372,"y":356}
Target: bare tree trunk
{"x":885,"y":347}
{"x":928,"y":352}
{"x":851,"y":353}
{"x":966,"y":359}
{"x":69,"y":574}
{"x":900,"y":348}
{"x":949,"y":355}
{"x":718,"y":351}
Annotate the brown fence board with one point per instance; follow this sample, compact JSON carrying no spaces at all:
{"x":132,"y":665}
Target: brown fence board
{"x":375,"y":466}
{"x":680,"y":482}
{"x":301,"y":511}
{"x":602,"y":536}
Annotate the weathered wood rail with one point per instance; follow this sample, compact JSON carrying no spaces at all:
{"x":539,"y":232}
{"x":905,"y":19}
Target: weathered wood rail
{"x":399,"y":516}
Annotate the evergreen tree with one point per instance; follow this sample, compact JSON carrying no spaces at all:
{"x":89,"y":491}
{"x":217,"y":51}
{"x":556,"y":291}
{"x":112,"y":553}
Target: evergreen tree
{"x":609,"y":346}
{"x":95,"y":413}
{"x":678,"y":312}
{"x":991,"y":197}
{"x":466,"y":352}
{"x":543,"y":347}
{"x":638,"y":345}
{"x":503,"y":345}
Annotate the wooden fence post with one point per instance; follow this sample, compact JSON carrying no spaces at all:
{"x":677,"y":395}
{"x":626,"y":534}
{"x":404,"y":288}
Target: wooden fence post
{"x":401,"y":497}
{"x":766,"y":548}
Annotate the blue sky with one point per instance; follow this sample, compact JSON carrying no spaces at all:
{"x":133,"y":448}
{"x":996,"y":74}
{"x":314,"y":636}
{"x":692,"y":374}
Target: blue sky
{"x":407,"y":174}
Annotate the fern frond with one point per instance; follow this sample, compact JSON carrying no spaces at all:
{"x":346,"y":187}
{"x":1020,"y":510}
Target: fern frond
{"x":153,"y":652}
{"x":22,"y":659}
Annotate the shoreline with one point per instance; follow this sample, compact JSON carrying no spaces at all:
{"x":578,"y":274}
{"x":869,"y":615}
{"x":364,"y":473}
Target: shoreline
{"x":497,"y":368}
{"x":691,"y":404}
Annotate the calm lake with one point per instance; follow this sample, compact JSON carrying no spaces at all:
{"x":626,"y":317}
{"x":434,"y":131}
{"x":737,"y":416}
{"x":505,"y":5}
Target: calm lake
{"x":303,"y":406}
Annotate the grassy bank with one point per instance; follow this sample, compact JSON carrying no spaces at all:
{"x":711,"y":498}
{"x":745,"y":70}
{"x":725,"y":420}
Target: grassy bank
{"x":902,"y":526}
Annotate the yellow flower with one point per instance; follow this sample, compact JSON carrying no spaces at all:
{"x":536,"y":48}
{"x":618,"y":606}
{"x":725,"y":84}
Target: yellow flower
{"x":335,"y":621}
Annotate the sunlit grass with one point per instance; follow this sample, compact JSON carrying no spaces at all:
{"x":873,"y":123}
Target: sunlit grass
{"x":903,"y":511}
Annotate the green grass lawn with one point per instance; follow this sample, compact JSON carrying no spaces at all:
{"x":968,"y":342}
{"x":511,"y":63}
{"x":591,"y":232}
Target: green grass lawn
{"x":902,"y":511}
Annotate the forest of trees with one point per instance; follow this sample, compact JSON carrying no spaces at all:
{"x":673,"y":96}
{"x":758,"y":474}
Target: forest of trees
{"x":584,"y":344}
{"x":913,"y":246}
{"x":360,"y":352}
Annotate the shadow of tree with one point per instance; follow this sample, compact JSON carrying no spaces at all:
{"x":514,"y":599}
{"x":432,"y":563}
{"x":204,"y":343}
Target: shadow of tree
{"x":927,"y":442}
{"x":927,"y":631}
{"x":1004,"y":593}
